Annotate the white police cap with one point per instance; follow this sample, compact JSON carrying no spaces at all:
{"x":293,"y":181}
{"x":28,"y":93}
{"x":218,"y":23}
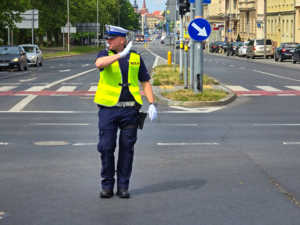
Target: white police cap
{"x":115,"y":31}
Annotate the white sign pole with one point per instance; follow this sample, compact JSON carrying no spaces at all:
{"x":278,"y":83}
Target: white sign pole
{"x":32,"y":42}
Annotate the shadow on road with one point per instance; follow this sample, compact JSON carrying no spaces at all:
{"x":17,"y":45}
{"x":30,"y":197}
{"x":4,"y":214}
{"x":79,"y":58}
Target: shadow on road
{"x":191,"y":184}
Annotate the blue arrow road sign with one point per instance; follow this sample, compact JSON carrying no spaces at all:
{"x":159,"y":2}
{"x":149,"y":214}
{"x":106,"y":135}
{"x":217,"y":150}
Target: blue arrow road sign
{"x":199,"y":29}
{"x":204,"y":1}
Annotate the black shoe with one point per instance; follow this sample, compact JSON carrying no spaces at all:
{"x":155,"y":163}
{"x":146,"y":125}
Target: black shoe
{"x":106,"y":193}
{"x":123,"y":193}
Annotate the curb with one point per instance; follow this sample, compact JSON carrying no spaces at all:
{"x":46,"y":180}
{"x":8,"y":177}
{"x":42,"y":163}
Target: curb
{"x":224,"y":101}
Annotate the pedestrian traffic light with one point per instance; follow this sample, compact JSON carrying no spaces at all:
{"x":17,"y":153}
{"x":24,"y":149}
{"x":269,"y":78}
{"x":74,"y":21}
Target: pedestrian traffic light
{"x":184,"y":7}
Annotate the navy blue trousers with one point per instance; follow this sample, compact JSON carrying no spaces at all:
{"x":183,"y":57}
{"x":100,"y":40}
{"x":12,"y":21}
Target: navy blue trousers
{"x":110,"y":120}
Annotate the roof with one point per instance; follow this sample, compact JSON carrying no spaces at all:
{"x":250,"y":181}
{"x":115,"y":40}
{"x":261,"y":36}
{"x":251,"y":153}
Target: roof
{"x":151,"y":16}
{"x":143,"y":11}
{"x":157,"y":13}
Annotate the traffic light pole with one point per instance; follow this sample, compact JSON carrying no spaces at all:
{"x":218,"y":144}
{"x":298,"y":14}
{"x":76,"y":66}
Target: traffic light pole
{"x":192,"y":50}
{"x":181,"y":49}
{"x":198,"y":63}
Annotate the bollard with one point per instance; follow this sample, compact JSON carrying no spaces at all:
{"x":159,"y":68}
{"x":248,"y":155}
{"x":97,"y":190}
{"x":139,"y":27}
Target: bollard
{"x":186,"y":48}
{"x":169,"y":57}
{"x":145,"y":44}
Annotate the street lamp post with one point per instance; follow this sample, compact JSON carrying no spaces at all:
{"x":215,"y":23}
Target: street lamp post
{"x":119,"y":15}
{"x":68,"y":27}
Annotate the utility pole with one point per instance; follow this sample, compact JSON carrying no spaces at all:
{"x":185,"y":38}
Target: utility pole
{"x":175,"y":31}
{"x":97,"y":26}
{"x":181,"y":47}
{"x":32,"y":41}
{"x":230,"y":23}
{"x":192,"y":49}
{"x":198,"y":64}
{"x":8,"y":41}
{"x":68,"y":27}
{"x":265,"y":27}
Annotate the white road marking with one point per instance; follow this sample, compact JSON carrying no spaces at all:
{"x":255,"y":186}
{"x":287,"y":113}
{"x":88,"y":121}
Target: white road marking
{"x":297,"y":88}
{"x":268,"y":88}
{"x":217,"y":62}
{"x":64,"y":70}
{"x":237,"y":88}
{"x":232,"y":65}
{"x":1,"y":143}
{"x":76,"y":61}
{"x":73,"y":83}
{"x":279,"y":124}
{"x":286,"y":95}
{"x":276,"y":75}
{"x":60,"y":124}
{"x":210,"y":60}
{"x":61,"y":64}
{"x":51,"y":66}
{"x":35,"y":88}
{"x":251,"y":95}
{"x":7,"y":88}
{"x":36,"y":83}
{"x":66,"y":88}
{"x":28,"y":80}
{"x":40,"y":69}
{"x":242,"y":68}
{"x":59,"y":95}
{"x":291,"y":143}
{"x":19,"y":106}
{"x":68,"y":63}
{"x":223,"y":63}
{"x":80,"y":144}
{"x":93,"y":88}
{"x":10,"y":84}
{"x":85,"y":65}
{"x":205,"y":59}
{"x":21,"y":94}
{"x":184,"y":144}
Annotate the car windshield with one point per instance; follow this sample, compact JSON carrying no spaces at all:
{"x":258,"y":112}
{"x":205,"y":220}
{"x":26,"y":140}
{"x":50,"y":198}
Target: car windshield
{"x":9,"y":50}
{"x":177,"y":42}
{"x":294,"y":45}
{"x":29,"y":49}
{"x":261,"y":42}
{"x":222,"y":43}
{"x":235,"y":43}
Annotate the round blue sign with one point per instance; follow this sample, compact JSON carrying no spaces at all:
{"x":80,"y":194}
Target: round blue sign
{"x":199,"y":29}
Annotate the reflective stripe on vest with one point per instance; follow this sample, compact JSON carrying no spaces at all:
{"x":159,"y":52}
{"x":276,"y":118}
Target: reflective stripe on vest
{"x":108,"y":91}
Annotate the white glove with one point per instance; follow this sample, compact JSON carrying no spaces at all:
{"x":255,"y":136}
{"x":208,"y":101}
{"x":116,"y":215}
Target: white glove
{"x":152,"y":112}
{"x":126,"y":50}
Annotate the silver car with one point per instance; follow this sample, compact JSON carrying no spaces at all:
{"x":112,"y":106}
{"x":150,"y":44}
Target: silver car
{"x":256,"y":48}
{"x":34,"y":55}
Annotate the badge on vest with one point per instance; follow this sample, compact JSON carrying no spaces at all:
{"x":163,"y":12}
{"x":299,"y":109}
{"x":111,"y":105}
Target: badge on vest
{"x":135,"y":63}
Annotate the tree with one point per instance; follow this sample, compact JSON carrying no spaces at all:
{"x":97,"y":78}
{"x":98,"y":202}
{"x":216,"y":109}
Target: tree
{"x":239,"y":37}
{"x":129,"y":19}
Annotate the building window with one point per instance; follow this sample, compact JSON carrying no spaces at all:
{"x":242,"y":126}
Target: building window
{"x":282,"y":27}
{"x":271,"y":26}
{"x":292,"y":30}
{"x":287,"y":27}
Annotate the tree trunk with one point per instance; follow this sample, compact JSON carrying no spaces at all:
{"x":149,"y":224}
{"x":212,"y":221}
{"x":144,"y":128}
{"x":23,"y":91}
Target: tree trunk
{"x":49,"y":38}
{"x":60,"y":39}
{"x":56,"y":36}
{"x":40,"y":40}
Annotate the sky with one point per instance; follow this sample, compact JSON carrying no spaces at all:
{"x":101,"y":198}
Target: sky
{"x":152,"y":5}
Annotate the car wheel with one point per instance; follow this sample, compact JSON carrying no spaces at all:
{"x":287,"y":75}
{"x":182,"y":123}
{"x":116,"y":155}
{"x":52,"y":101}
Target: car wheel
{"x":252,"y":56}
{"x":272,"y":56}
{"x":275,"y":58}
{"x":293,"y":60}
{"x":20,"y":67}
{"x":247,"y":56}
{"x":41,"y":62}
{"x":240,"y":55}
{"x":280,"y":58}
{"x":26,"y":67}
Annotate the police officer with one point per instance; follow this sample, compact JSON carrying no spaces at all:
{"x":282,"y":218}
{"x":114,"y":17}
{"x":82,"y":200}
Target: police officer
{"x":119,"y":100}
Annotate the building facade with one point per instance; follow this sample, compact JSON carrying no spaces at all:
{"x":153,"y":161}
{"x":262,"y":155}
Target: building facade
{"x":297,"y":21}
{"x":281,"y":21}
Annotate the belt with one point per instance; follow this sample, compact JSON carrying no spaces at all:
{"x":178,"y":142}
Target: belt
{"x":125,"y":104}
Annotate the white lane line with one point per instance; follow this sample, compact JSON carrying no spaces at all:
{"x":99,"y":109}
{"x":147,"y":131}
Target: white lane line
{"x":2,"y":143}
{"x":85,"y":65}
{"x":205,"y":59}
{"x":184,"y":144}
{"x":36,"y":83}
{"x":232,"y":65}
{"x":73,"y":83}
{"x":268,"y":88}
{"x":64,"y":70}
{"x":60,"y":124}
{"x":66,"y":88}
{"x":242,"y":68}
{"x":2,"y":84}
{"x":27,"y":80}
{"x":297,"y":88}
{"x":237,"y":88}
{"x":250,"y":95}
{"x":51,"y":66}
{"x":286,"y":95}
{"x":21,"y":94}
{"x":276,"y":75}
{"x":210,"y":60}
{"x":68,"y":63}
{"x":291,"y":143}
{"x":40,"y":69}
{"x":223,"y":63}
{"x":93,"y":88}
{"x":7,"y":88}
{"x":80,"y":144}
{"x":61,"y":64}
{"x":35,"y":88}
{"x":279,"y":124}
{"x":19,"y":106}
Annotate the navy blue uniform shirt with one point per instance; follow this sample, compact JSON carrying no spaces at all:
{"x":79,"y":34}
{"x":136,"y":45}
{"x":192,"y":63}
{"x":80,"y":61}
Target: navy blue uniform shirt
{"x":124,"y":64}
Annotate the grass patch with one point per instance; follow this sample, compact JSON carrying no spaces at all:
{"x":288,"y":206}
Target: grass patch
{"x":165,"y":75}
{"x":75,"y":51}
{"x":188,"y":95}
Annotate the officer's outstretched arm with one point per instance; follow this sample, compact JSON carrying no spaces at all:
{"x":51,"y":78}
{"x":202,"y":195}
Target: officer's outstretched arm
{"x":106,"y":61}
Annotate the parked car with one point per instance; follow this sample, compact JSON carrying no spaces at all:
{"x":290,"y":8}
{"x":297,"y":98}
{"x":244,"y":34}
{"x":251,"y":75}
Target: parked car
{"x":177,"y":44}
{"x":162,"y":40}
{"x":214,"y":47}
{"x":256,"y":48}
{"x":148,"y":40}
{"x":238,"y":47}
{"x":285,"y":51}
{"x":223,"y":46}
{"x":296,"y":55}
{"x":13,"y":57}
{"x":34,"y":55}
{"x":242,"y":51}
{"x":232,"y":48}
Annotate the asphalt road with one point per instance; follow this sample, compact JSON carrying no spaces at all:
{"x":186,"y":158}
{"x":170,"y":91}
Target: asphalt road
{"x":226,"y":165}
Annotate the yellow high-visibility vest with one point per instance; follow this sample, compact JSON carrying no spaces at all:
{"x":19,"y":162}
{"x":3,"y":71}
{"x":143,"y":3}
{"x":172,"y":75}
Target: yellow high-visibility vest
{"x":110,"y":83}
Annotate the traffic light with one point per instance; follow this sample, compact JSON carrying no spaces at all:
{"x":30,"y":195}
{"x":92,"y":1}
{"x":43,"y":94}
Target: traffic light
{"x":184,"y":7}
